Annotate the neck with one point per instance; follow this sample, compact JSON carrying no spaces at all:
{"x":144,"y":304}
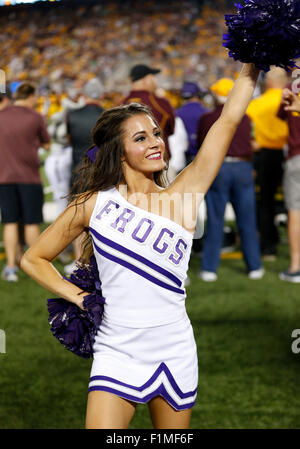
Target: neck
{"x":275,"y":86}
{"x":91,"y":101}
{"x":140,"y":85}
{"x":137,"y":182}
{"x":23,"y":103}
{"x":194,"y":100}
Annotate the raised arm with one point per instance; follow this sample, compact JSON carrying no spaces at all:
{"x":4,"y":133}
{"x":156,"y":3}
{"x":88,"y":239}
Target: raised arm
{"x":36,"y":262}
{"x":199,"y":175}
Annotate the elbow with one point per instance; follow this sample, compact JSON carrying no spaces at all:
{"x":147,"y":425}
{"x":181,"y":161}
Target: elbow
{"x":24,"y":263}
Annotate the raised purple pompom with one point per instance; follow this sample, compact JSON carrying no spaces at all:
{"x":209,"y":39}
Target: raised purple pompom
{"x":74,"y":328}
{"x":265,"y":32}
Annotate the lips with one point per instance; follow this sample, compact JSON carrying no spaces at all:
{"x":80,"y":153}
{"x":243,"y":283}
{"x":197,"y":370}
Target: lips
{"x":154,"y":156}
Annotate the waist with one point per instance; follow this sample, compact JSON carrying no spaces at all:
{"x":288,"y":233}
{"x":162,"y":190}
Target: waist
{"x":143,"y":319}
{"x":238,"y":159}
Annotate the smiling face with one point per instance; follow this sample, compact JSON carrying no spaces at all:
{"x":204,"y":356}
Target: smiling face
{"x":144,"y":145}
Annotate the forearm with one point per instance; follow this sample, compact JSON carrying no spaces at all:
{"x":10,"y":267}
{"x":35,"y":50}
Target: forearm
{"x":206,"y":165}
{"x":241,"y":94}
{"x":45,"y":274}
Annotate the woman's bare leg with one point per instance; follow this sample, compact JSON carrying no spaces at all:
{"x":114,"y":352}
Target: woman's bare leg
{"x":108,"y":411}
{"x":164,"y":416}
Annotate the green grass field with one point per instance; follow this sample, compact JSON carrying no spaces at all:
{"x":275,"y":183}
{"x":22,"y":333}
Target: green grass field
{"x":248,"y":375}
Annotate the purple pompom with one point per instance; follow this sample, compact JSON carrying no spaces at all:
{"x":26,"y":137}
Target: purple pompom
{"x":265,"y":32}
{"x":74,"y":328}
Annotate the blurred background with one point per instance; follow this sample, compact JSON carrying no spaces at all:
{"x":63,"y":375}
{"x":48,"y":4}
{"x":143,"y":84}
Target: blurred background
{"x":76,"y":52}
{"x":60,"y":45}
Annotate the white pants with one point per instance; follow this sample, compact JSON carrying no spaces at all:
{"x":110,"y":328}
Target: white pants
{"x":58,"y":171}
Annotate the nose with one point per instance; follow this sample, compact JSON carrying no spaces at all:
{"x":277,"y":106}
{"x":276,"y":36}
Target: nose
{"x":154,"y":142}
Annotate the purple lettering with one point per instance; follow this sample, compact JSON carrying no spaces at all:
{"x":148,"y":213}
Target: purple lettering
{"x":107,"y":208}
{"x":157,"y":241}
{"x":146,"y":233}
{"x":123,"y":219}
{"x":178,"y":251}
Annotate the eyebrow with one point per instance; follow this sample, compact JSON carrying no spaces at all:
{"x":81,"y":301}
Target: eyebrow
{"x":144,"y":132}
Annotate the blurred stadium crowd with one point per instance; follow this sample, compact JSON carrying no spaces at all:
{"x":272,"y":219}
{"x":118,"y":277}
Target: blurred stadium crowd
{"x":70,"y":60}
{"x":60,"y":46}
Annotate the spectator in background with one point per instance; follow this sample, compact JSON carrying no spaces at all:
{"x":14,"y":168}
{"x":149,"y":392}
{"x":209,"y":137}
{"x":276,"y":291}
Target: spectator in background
{"x":22,"y":132}
{"x":143,"y":90}
{"x":271,"y":134}
{"x":291,"y":102}
{"x":233,"y":183}
{"x":5,"y":98}
{"x":80,"y":123}
{"x":58,"y":164}
{"x":291,"y":182}
{"x":190,"y":113}
{"x":178,"y":143}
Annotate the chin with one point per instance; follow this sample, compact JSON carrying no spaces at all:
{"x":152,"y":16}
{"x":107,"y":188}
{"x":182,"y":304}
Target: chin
{"x":158,"y":166}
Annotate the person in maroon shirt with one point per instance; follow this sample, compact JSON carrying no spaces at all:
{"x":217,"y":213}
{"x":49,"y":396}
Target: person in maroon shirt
{"x":143,"y":91}
{"x":234,"y":183}
{"x":22,"y":132}
{"x":291,"y":182}
{"x":5,"y":98}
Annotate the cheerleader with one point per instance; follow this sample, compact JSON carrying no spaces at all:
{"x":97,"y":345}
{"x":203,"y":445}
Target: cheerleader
{"x":144,"y":350}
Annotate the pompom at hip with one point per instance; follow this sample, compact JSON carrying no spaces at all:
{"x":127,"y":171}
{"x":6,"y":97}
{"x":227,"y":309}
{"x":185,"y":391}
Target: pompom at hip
{"x":74,"y":328}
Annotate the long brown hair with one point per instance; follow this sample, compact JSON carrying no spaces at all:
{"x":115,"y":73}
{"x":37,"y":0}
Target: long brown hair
{"x":106,"y":171}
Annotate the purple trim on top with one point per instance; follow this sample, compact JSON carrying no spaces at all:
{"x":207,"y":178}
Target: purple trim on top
{"x":138,"y":270}
{"x":136,"y":256}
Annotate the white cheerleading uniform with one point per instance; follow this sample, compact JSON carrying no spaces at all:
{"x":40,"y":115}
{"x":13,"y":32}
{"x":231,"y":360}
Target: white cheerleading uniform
{"x":145,"y":344}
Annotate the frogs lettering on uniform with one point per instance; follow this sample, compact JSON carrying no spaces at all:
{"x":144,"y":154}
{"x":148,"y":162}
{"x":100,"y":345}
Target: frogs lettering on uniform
{"x":147,"y":231}
{"x":126,"y":216}
{"x":107,"y":208}
{"x":159,"y":239}
{"x":125,"y":220}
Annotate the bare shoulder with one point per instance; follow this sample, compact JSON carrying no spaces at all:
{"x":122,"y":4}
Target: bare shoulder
{"x":185,"y":182}
{"x":83,"y":206}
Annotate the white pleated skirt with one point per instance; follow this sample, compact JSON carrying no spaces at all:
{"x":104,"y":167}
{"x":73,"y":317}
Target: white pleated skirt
{"x":140,"y":364}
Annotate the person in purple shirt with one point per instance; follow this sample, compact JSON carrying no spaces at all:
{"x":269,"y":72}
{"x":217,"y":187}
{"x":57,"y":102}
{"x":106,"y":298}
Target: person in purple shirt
{"x":190,"y":113}
{"x":234,"y":183}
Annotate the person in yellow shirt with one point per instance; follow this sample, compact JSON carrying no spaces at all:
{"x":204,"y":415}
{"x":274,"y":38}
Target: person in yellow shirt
{"x":271,"y":135}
